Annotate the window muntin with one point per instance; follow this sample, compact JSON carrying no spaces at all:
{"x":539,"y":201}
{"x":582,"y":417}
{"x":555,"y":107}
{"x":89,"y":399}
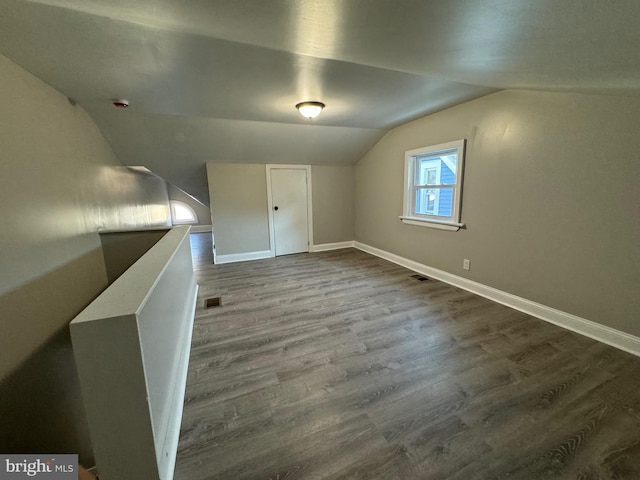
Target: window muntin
{"x":433,"y":184}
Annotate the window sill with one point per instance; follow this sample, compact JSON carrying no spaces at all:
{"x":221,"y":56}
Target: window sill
{"x":440,"y":225}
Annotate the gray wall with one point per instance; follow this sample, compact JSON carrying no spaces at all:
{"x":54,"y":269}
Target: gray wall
{"x":238,"y":194}
{"x":120,"y":250}
{"x":333,"y":203}
{"x":59,"y":184}
{"x":551,"y":196}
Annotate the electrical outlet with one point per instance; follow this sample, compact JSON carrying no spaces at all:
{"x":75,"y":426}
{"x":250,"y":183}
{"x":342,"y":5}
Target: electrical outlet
{"x":466,"y":264}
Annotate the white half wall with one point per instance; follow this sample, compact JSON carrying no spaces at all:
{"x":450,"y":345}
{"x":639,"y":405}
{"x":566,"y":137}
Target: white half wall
{"x":132,"y":348}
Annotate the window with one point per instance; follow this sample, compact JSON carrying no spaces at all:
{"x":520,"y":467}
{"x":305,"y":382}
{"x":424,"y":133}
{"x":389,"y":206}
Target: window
{"x":182,"y":213}
{"x":433,"y":186}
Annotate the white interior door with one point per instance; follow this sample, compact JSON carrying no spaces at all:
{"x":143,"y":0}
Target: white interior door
{"x":290,"y":210}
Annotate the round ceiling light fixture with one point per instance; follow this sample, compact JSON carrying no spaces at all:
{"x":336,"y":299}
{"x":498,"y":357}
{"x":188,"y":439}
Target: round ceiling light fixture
{"x":121,"y":103}
{"x":310,"y":109}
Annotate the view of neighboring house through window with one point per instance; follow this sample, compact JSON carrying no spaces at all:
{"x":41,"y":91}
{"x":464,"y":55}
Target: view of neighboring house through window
{"x":433,"y":183}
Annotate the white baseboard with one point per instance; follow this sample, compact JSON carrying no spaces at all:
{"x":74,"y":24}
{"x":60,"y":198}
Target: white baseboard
{"x":245,"y":257}
{"x":200,"y":228}
{"x":242,"y":257}
{"x":324,"y":247}
{"x":610,"y":336}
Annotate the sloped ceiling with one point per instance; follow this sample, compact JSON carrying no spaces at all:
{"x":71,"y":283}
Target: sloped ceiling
{"x":217,"y":80}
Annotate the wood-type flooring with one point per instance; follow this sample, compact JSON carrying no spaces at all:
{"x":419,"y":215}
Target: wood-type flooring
{"x":340,"y":365}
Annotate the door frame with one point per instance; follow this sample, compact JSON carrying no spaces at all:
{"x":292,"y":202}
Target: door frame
{"x":272,"y":236}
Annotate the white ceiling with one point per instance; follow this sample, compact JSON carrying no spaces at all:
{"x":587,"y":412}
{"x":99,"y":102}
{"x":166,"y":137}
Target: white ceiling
{"x":217,"y":80}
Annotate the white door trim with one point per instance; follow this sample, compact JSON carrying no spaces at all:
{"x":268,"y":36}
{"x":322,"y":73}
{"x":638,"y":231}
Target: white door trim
{"x":272,"y":238}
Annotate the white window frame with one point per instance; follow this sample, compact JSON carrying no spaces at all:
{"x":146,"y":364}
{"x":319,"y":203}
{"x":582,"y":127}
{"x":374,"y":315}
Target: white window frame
{"x":409,"y":215}
{"x":173,"y":204}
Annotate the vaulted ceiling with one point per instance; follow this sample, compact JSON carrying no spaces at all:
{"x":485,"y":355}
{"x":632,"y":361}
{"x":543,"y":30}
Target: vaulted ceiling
{"x":217,"y":80}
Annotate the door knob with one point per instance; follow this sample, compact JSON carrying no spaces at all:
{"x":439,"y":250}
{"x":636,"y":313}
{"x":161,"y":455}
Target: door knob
{"x":275,"y":208}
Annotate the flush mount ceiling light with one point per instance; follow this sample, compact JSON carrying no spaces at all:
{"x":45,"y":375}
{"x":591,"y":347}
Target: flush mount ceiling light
{"x":121,"y":103}
{"x":310,"y":109}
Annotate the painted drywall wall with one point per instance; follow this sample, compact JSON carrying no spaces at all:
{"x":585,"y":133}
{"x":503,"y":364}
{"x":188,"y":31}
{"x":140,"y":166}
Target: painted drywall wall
{"x":201,"y":210}
{"x":238,"y":194}
{"x":333,"y":203}
{"x":59,"y":184}
{"x":120,"y":250}
{"x":551,"y":195}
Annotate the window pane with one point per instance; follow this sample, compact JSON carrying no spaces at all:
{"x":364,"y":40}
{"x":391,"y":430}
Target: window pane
{"x":428,"y":171}
{"x":436,"y":169}
{"x":434,"y":201}
{"x":448,"y":169}
{"x":182,"y":213}
{"x":426,"y":200}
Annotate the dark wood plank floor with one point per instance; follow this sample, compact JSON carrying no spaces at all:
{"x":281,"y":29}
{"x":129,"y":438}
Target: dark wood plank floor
{"x":340,"y":365}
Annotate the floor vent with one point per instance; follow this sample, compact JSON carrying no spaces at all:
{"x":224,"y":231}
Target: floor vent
{"x":212,"y":302}
{"x":420,"y":278}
